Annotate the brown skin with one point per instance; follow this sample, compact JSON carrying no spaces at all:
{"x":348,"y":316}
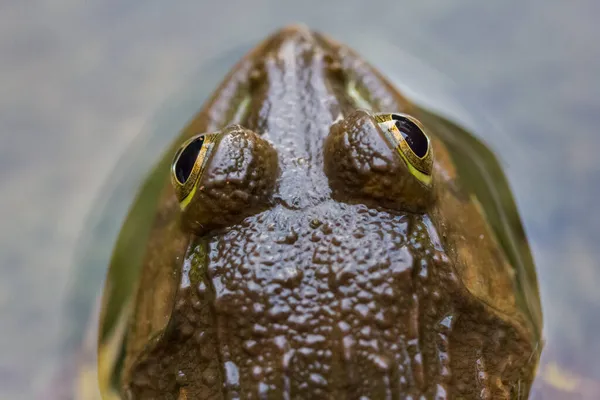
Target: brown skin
{"x":323,"y":284}
{"x":362,"y":166}
{"x":237,"y":182}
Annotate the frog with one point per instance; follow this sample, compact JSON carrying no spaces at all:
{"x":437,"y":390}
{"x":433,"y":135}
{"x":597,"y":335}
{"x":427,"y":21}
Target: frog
{"x":315,"y":234}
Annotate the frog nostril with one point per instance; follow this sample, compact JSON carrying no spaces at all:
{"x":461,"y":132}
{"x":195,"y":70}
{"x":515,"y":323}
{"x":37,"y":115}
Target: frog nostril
{"x":332,"y":63}
{"x":187,"y":158}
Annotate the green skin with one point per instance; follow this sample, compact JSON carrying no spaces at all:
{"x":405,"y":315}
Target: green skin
{"x":310,"y":263}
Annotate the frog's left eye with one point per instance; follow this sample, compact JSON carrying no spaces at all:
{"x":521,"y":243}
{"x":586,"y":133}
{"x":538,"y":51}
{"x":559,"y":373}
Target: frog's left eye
{"x":380,"y":159}
{"x":221,"y":178}
{"x":188,"y":164}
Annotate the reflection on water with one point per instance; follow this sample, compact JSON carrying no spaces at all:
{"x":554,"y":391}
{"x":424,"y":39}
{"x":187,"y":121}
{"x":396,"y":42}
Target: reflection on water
{"x":74,"y":84}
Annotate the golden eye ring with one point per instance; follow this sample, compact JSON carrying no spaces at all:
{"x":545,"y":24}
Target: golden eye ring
{"x":188,"y":165}
{"x":409,"y":138}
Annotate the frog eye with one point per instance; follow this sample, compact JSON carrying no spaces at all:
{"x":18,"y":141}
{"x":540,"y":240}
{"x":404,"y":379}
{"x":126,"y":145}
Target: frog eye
{"x":188,"y":164}
{"x":381,"y":160}
{"x":220,"y":178}
{"x":408,"y":137}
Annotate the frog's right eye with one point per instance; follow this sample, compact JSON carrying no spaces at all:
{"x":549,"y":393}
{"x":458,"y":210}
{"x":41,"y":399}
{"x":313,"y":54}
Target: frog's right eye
{"x":382,"y":159}
{"x":220,"y":178}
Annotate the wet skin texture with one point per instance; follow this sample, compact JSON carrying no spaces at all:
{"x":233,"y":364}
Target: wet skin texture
{"x":325,"y":273}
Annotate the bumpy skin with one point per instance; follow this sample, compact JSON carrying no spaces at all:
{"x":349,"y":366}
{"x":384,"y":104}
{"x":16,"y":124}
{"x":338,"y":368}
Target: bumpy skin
{"x":361,"y":164}
{"x":238,"y":181}
{"x":323,"y":296}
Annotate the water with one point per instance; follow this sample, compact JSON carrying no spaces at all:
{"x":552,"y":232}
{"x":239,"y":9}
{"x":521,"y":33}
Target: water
{"x":80,"y":82}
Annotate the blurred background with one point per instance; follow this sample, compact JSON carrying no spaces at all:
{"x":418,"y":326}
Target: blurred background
{"x":92,"y":91}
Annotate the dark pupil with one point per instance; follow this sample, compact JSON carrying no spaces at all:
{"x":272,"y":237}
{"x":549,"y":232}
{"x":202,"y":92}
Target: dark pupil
{"x":414,"y":136}
{"x":187,"y":159}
